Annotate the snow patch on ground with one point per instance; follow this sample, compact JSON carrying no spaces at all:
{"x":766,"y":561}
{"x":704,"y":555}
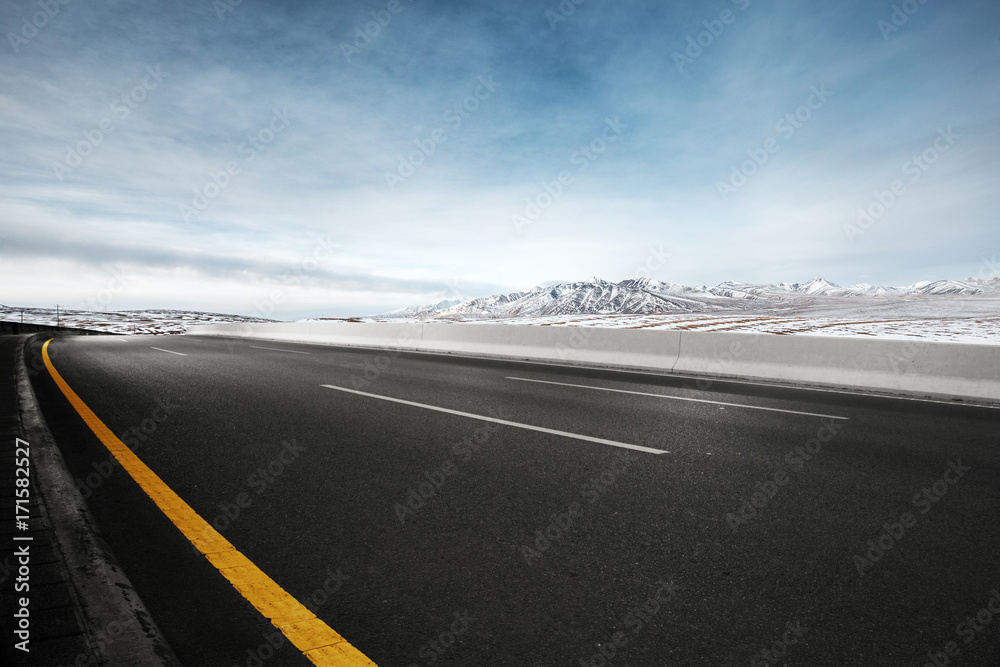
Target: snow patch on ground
{"x":150,"y":322}
{"x":944,"y":318}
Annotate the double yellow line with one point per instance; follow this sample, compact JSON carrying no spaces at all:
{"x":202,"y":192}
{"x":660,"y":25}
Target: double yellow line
{"x":313,"y":637}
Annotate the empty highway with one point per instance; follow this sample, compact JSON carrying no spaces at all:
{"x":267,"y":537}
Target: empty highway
{"x":442,"y":510}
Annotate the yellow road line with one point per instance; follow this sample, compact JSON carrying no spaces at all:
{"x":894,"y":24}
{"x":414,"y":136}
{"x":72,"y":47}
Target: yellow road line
{"x":313,"y":637}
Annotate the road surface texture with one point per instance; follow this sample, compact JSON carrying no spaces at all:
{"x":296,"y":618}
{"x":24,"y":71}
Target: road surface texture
{"x":440,"y":510}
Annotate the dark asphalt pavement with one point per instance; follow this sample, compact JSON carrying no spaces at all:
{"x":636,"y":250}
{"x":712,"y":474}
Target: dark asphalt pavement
{"x":760,"y":537}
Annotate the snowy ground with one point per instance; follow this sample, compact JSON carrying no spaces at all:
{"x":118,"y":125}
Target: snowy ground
{"x":122,"y":321}
{"x":973,"y":319}
{"x":955,"y":319}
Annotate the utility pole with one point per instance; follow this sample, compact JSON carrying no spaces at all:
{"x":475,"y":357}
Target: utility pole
{"x":57,"y":316}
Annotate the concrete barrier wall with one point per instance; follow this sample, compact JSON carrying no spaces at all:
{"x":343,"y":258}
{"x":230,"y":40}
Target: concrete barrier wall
{"x":941,"y":370}
{"x":645,"y":349}
{"x":920,"y":368}
{"x":405,"y":336}
{"x":648,"y":349}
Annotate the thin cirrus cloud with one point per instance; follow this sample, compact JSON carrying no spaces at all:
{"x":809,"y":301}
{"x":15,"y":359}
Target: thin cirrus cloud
{"x":252,"y":132}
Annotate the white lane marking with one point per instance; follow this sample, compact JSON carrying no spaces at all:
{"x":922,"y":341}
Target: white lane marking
{"x":180,"y":354}
{"x":780,"y":384}
{"x":668,"y":373}
{"x":278,"y":349}
{"x":602,"y":441}
{"x":679,"y":398}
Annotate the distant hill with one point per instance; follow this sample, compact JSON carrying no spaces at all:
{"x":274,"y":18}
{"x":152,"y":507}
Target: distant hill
{"x":154,"y":321}
{"x":646,"y":296}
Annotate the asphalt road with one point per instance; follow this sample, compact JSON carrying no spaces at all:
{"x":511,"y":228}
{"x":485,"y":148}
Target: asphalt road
{"x":756,"y":524}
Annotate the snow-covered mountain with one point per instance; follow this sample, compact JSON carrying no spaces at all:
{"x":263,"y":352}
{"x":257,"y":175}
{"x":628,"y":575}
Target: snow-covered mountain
{"x":422,"y":311}
{"x":944,"y":287}
{"x":987,"y":284}
{"x":629,"y":297}
{"x":592,"y":296}
{"x":821,"y":287}
{"x":646,"y":296}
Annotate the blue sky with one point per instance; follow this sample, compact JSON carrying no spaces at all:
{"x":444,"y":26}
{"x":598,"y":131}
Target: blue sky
{"x":273,"y":158}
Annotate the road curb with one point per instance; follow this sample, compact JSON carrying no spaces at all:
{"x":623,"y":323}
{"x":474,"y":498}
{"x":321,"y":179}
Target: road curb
{"x":119,"y":628}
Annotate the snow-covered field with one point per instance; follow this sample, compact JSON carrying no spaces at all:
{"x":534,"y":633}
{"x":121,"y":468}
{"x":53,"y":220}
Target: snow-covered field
{"x":954,"y":317}
{"x":984,"y":330}
{"x":945,"y":310}
{"x":121,"y":321}
{"x":943,"y":318}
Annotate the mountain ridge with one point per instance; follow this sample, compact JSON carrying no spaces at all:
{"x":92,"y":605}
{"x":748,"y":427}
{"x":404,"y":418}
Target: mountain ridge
{"x":647,"y":296}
